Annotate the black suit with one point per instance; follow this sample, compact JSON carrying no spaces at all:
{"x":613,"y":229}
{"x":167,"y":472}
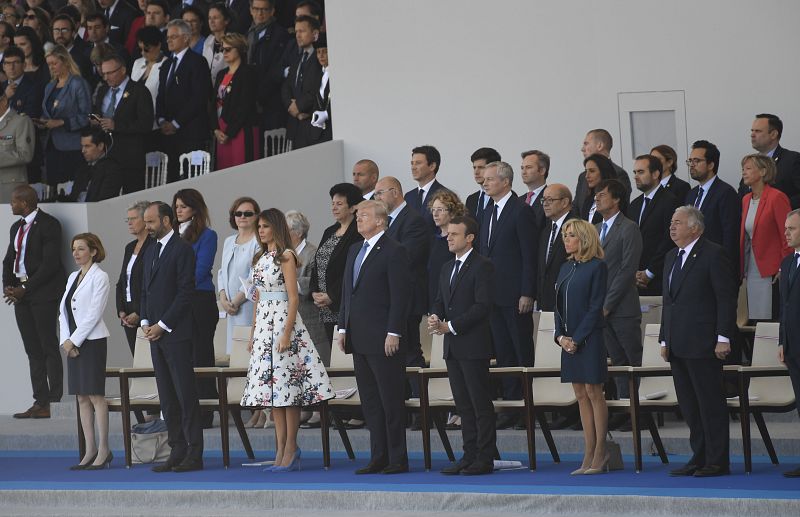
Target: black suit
{"x":790,"y":324}
{"x":654,"y":226}
{"x":36,"y":311}
{"x":302,"y":85}
{"x":167,"y":290}
{"x":238,"y":106}
{"x":123,"y":305}
{"x":266,"y":45}
{"x":700,"y":305}
{"x":184,"y":99}
{"x":133,"y":122}
{"x":80,"y":54}
{"x":548,"y":266}
{"x":27,"y":98}
{"x":787,"y":177}
{"x":100,"y":180}
{"x":412,"y":198}
{"x":678,"y":188}
{"x":722,"y":214}
{"x":466,"y":302}
{"x":120,"y":22}
{"x":242,"y":19}
{"x":512,"y":250}
{"x":377,"y":305}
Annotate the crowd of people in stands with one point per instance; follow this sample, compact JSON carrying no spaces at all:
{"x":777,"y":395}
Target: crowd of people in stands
{"x":472,"y":271}
{"x":156,"y":75}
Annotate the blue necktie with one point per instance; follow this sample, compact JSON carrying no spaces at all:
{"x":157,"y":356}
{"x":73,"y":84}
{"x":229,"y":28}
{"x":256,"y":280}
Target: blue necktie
{"x":699,"y":198}
{"x":455,"y":274}
{"x":359,"y":260}
{"x":603,"y":231}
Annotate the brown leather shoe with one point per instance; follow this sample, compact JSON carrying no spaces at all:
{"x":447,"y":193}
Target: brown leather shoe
{"x":35,"y":411}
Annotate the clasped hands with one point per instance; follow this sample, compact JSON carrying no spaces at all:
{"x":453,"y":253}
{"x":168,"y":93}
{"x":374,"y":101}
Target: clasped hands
{"x":12,"y":295}
{"x":70,"y":349}
{"x":568,"y":344}
{"x":437,"y":326}
{"x":153,"y":332}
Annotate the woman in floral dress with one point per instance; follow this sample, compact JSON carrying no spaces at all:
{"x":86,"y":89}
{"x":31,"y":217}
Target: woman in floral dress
{"x":285,"y":370}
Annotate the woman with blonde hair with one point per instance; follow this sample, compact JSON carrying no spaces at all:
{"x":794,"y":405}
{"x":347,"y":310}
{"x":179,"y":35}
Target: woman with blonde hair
{"x":580,"y":294}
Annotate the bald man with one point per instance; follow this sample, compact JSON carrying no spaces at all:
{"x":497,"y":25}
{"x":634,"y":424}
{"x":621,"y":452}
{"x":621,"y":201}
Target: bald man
{"x":557,"y":205}
{"x":365,"y":176}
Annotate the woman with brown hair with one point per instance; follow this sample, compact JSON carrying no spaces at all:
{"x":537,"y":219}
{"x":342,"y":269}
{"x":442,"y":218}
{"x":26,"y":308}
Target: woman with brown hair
{"x":285,"y":372}
{"x":443,"y":206}
{"x":191,"y":214}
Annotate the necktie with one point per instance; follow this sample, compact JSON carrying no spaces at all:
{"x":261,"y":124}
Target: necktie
{"x":299,"y":78}
{"x":20,"y":236}
{"x":388,"y":220}
{"x":112,"y":106}
{"x":158,"y":253}
{"x":492,"y":223}
{"x":481,"y":203}
{"x":603,"y":231}
{"x":359,"y":260}
{"x":677,"y":269}
{"x":420,"y":199}
{"x":792,"y":268}
{"x":553,"y":234}
{"x":173,"y":65}
{"x":455,"y":274}
{"x":528,"y":198}
{"x":699,"y":197}
{"x":644,"y":209}
{"x":108,"y":13}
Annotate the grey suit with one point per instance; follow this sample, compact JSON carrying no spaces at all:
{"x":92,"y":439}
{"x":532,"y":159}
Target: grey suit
{"x":17,"y":139}
{"x":308,"y":311}
{"x":623,"y":336}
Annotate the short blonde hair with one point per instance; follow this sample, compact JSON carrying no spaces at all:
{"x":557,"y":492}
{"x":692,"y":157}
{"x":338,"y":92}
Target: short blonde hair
{"x":238,"y":42}
{"x":765,"y":164}
{"x":379,"y":210}
{"x":588,"y":238}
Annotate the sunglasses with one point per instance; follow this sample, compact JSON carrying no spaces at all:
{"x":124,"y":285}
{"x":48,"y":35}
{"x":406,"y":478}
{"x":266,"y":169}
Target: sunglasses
{"x":244,"y":214}
{"x":225,"y":50}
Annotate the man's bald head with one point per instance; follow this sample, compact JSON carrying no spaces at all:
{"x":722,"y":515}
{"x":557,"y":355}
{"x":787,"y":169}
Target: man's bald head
{"x":26,"y":194}
{"x":389,"y":191}
{"x":556,"y":201}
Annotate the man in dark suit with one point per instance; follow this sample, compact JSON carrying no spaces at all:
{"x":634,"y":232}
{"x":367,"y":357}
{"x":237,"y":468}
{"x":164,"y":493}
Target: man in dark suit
{"x":697,"y":324}
{"x":598,"y":141}
{"x":765,"y":136}
{"x":244,"y":15}
{"x":126,"y":111}
{"x":550,"y":253}
{"x":408,"y":228}
{"x":64,"y":33}
{"x":120,"y":14}
{"x":478,"y":202}
{"x":321,"y":122}
{"x":425,"y":164}
{"x":669,"y":165}
{"x":100,"y":177}
{"x":98,"y":31}
{"x":299,"y":92}
{"x":461,"y":314}
{"x":33,"y":281}
{"x":23,"y":95}
{"x":184,"y":91}
{"x":266,"y":41}
{"x":622,"y":247}
{"x":167,"y":287}
{"x":376,"y":294}
{"x":789,"y":340}
{"x":721,"y":207}
{"x":506,"y":241}
{"x":365,"y":177}
{"x":652,"y":211}
{"x":534,"y":171}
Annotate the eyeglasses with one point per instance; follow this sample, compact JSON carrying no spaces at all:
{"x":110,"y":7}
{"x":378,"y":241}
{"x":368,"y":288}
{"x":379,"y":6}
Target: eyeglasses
{"x":384,"y":191}
{"x":111,"y":72}
{"x":173,"y":37}
{"x":695,"y":161}
{"x":63,"y":30}
{"x":439,"y":210}
{"x":261,"y":9}
{"x":246,"y":213}
{"x":548,"y":200}
{"x":225,"y":50}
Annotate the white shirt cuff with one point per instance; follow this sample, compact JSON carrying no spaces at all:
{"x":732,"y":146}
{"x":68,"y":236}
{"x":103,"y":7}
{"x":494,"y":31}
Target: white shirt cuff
{"x":722,"y":339}
{"x":164,"y":326}
{"x":342,"y":331}
{"x":393,"y":334}
{"x":663,"y":344}
{"x":144,"y":323}
{"x":450,"y":326}
{"x":649,"y":274}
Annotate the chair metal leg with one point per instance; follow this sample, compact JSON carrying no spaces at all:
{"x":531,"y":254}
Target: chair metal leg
{"x":337,"y":422}
{"x":744,"y":420}
{"x":530,"y":425}
{"x":440,"y":424}
{"x":125,"y":400}
{"x":548,"y":437}
{"x":237,"y":419}
{"x":223,"y":421}
{"x":633,"y":389}
{"x":326,"y":438}
{"x":654,"y":434}
{"x":762,"y":427}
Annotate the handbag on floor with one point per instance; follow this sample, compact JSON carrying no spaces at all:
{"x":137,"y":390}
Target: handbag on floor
{"x":149,"y":442}
{"x":614,"y":454}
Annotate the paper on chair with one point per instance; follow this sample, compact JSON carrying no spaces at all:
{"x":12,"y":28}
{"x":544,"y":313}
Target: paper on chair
{"x":656,"y":395}
{"x":346,"y":393}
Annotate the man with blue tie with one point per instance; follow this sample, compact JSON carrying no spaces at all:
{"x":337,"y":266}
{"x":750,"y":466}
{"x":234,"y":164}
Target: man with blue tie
{"x":789,"y":340}
{"x":425,"y":164}
{"x":478,"y":201}
{"x":376,"y":295}
{"x":697,"y":324}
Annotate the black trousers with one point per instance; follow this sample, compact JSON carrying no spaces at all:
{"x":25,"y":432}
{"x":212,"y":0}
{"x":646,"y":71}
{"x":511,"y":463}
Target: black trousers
{"x":469,"y":381}
{"x":414,"y":355}
{"x":172,"y":362}
{"x":623,"y":337}
{"x":512,"y":334}
{"x":130,"y":332}
{"x":38,"y":326}
{"x":204,"y":324}
{"x":381,"y":382}
{"x":793,"y":365}
{"x":698,"y":384}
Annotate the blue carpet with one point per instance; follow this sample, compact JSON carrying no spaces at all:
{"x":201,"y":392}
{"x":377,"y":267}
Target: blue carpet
{"x":47,"y":470}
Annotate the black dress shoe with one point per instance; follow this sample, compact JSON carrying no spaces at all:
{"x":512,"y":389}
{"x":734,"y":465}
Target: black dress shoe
{"x":687,"y":470}
{"x":166,"y":466}
{"x":189,"y":465}
{"x":478,"y":468}
{"x":456,"y":468}
{"x":371,"y":468}
{"x":712,"y":471}
{"x":395,"y":468}
{"x":792,"y":473}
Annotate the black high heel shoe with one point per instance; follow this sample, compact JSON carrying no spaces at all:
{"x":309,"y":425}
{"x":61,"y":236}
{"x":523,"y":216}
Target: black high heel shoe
{"x":82,"y":466}
{"x":105,"y":465}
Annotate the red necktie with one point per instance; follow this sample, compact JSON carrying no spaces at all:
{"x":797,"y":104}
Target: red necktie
{"x":528,"y":198}
{"x":20,"y":236}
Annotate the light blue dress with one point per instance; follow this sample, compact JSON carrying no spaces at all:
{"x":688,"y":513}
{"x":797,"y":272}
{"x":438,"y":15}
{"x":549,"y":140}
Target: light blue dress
{"x":237,"y":262}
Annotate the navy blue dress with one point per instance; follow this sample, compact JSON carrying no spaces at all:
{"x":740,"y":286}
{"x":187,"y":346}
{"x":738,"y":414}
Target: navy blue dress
{"x":580,"y":293}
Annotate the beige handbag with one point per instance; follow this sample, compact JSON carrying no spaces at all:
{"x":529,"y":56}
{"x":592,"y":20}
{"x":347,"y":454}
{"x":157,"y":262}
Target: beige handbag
{"x":149,"y":447}
{"x":614,"y":454}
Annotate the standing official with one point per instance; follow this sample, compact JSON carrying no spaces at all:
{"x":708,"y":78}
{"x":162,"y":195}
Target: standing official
{"x":789,"y":341}
{"x":557,"y":206}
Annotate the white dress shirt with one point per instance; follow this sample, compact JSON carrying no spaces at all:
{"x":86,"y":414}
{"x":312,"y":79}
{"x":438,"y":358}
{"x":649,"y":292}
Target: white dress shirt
{"x":22,"y":273}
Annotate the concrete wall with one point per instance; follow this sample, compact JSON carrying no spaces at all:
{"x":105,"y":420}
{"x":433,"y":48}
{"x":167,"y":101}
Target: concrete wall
{"x":299,"y":180}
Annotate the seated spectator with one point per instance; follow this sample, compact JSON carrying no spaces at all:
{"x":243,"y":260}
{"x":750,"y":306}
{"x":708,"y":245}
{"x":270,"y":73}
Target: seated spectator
{"x":234,"y":120}
{"x":44,"y":4}
{"x":597,"y":168}
{"x":444,"y":206}
{"x":31,"y":45}
{"x":16,"y":146}
{"x":39,"y":20}
{"x":6,"y":41}
{"x":219,"y":18}
{"x":85,"y":9}
{"x":98,"y":54}
{"x":99,"y":177}
{"x":65,"y":111}
{"x":197,"y":22}
{"x":19,"y":88}
{"x":13,"y":14}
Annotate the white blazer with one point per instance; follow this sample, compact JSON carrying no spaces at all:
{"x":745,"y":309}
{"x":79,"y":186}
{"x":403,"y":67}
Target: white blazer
{"x":88,"y":304}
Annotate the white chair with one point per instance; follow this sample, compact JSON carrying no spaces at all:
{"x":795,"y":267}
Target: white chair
{"x":221,"y":356}
{"x":155,"y":172}
{"x":275,"y":142}
{"x":234,"y":380}
{"x":341,"y":374}
{"x":651,"y":311}
{"x":195,"y":163}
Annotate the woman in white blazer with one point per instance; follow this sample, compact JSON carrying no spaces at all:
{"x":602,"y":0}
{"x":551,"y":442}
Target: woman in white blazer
{"x":83,"y":338}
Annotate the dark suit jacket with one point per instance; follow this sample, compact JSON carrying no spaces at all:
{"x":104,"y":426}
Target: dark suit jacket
{"x":103,"y":180}
{"x":537,"y":208}
{"x":679,"y":188}
{"x":304,"y":92}
{"x":133,"y":121}
{"x":582,"y":318}
{"x":586,"y":207}
{"x":789,"y":335}
{"x":80,"y":54}
{"x":239,"y":103}
{"x":336,"y":263}
{"x":787,"y":178}
{"x":512,"y":251}
{"x":120,"y":22}
{"x":168,"y":287}
{"x":703,"y":305}
{"x":27,"y":99}
{"x":185,"y":99}
{"x":241,"y":20}
{"x":722,"y":212}
{"x":622,"y":249}
{"x":472,"y":210}
{"x":46,"y":277}
{"x":265,"y":53}
{"x":412,"y":198}
{"x":547,"y":269}
{"x":466,"y":306}
{"x":410,"y":230}
{"x":379,"y":301}
{"x":654,"y":228}
{"x":136,"y":275}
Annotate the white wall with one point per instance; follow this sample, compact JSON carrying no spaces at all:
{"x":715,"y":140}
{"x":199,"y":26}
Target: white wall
{"x":517,"y":75}
{"x":298,"y":180}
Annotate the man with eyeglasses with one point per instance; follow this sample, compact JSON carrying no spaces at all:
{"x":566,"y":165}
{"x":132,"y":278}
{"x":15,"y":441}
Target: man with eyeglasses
{"x":125,"y":110}
{"x":64,"y":34}
{"x":557,"y":207}
{"x":16,"y":149}
{"x":266,"y":41}
{"x":22,"y":94}
{"x":6,"y":40}
{"x":717,"y":200}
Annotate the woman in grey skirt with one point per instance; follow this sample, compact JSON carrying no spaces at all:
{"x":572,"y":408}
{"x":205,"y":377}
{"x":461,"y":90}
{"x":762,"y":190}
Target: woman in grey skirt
{"x":83,"y":337}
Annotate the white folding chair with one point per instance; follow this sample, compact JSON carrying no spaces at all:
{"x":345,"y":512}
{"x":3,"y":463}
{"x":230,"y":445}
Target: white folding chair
{"x":194,"y":163}
{"x":275,"y":142}
{"x":155,"y":173}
